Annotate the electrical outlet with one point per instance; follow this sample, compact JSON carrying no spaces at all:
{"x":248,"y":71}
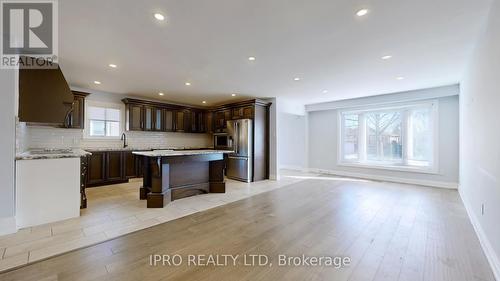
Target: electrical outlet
{"x":482,"y":209}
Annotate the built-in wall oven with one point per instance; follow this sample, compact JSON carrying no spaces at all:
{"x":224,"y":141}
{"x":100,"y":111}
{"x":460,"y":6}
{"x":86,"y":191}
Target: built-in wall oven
{"x":222,"y":141}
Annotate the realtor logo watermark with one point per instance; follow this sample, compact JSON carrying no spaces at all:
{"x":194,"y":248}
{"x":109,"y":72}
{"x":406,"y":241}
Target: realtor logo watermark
{"x":29,"y":34}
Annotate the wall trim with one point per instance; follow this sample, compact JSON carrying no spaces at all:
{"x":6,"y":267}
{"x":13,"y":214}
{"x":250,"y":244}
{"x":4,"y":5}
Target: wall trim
{"x":488,"y":250}
{"x":439,"y":184}
{"x":8,"y":226}
{"x":293,"y":168}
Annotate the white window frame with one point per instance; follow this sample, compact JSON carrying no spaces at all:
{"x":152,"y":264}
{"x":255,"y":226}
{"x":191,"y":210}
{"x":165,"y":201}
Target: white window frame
{"x":431,"y":169}
{"x":90,"y":103}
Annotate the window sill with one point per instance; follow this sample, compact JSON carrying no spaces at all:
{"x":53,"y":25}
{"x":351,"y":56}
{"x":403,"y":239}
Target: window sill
{"x":411,"y":169}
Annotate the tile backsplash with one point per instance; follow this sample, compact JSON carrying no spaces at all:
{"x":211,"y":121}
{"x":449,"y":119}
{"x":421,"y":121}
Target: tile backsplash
{"x":32,"y":137}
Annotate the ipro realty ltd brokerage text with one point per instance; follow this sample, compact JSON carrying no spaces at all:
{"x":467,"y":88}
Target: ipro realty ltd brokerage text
{"x":222,"y":260}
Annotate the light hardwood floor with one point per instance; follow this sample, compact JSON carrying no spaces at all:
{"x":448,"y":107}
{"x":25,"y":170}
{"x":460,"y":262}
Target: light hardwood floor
{"x":390,"y":232}
{"x":113,"y":211}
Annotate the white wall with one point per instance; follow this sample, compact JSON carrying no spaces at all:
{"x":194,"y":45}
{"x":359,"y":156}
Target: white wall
{"x":322,"y":141}
{"x":291,"y":134}
{"x":292,"y":141}
{"x":7,"y":150}
{"x":480,"y":139}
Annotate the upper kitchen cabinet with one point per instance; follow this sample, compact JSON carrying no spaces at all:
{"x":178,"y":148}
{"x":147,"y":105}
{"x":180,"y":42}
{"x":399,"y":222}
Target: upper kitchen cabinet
{"x":77,"y":115}
{"x":135,"y":117}
{"x":243,"y":112}
{"x":198,"y":121}
{"x":168,"y":120}
{"x":162,"y":117}
{"x":182,"y":120}
{"x":220,"y":120}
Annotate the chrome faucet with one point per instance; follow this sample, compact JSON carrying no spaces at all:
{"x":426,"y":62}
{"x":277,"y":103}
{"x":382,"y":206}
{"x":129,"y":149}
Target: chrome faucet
{"x":124,"y":139}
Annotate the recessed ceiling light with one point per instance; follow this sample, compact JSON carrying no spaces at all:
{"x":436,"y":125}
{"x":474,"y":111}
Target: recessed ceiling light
{"x":296,"y":79}
{"x":97,"y":82}
{"x":362,"y":12}
{"x":187,"y":83}
{"x":325,"y":91}
{"x":386,"y":57}
{"x":400,"y":78}
{"x":161,"y":94}
{"x":204,"y":102}
{"x":233,"y":95}
{"x":113,"y":65}
{"x":159,"y":16}
{"x":251,"y":58}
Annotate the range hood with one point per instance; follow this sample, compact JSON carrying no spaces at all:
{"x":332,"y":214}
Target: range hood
{"x":44,"y":96}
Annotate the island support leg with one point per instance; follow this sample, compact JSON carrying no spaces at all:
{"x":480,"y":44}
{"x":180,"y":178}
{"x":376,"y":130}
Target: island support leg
{"x":160,"y":194}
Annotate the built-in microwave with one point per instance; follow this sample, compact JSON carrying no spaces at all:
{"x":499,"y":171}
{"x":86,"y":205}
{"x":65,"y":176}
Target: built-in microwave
{"x":222,"y":141}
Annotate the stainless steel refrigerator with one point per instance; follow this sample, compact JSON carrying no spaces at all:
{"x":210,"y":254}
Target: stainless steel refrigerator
{"x":240,"y":163}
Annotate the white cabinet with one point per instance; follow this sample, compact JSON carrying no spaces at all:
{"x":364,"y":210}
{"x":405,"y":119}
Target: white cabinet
{"x":47,"y":190}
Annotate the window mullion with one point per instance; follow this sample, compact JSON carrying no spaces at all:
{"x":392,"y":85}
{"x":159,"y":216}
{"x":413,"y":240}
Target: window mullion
{"x":406,"y":135}
{"x":362,"y":137}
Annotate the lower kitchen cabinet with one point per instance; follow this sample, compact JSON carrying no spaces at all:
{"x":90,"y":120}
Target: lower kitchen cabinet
{"x":110,"y":167}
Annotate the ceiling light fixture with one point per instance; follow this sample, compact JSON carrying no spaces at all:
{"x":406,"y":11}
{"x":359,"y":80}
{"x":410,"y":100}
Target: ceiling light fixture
{"x":325,"y":91}
{"x":187,"y":83}
{"x":97,"y":82}
{"x":233,"y":95}
{"x":161,"y":94}
{"x":204,"y":102}
{"x":159,"y":16}
{"x":400,"y":78}
{"x":113,"y":65}
{"x":296,"y":79}
{"x":251,"y":58}
{"x":386,"y":57}
{"x":362,"y":12}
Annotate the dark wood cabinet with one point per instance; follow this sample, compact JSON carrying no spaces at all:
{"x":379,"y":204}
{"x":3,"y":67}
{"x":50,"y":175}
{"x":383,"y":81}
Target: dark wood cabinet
{"x":243,"y":112}
{"x":135,"y":117}
{"x":130,"y":165}
{"x":220,"y":120}
{"x":168,"y":120}
{"x":161,"y":117}
{"x":96,"y":168}
{"x":198,"y":121}
{"x":110,"y":167}
{"x":209,"y":121}
{"x":77,"y":115}
{"x":114,"y":166}
{"x":182,"y":121}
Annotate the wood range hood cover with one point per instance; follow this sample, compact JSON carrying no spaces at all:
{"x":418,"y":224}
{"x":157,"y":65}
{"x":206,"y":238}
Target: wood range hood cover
{"x":44,"y":96}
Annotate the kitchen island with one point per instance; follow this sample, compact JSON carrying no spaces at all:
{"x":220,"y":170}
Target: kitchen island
{"x":170,"y":175}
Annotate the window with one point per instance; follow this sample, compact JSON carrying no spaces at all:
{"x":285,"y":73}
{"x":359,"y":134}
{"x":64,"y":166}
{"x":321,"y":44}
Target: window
{"x":399,"y":137}
{"x":103,"y":121}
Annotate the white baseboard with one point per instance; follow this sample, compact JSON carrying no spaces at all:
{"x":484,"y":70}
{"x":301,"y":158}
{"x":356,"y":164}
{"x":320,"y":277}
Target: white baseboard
{"x":8,"y":226}
{"x":292,"y":167}
{"x":440,"y":184}
{"x":492,"y":257}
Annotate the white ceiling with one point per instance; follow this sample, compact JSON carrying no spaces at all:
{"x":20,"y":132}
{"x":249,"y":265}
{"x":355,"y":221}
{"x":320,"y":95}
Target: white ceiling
{"x":207,"y":42}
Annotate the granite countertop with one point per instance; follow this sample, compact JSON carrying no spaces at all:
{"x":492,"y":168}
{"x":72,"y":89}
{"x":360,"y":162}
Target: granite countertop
{"x":51,"y":154}
{"x":143,"y":148}
{"x":164,"y":153}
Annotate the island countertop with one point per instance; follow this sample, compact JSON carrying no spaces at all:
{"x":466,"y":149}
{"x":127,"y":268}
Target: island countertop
{"x":167,"y":153}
